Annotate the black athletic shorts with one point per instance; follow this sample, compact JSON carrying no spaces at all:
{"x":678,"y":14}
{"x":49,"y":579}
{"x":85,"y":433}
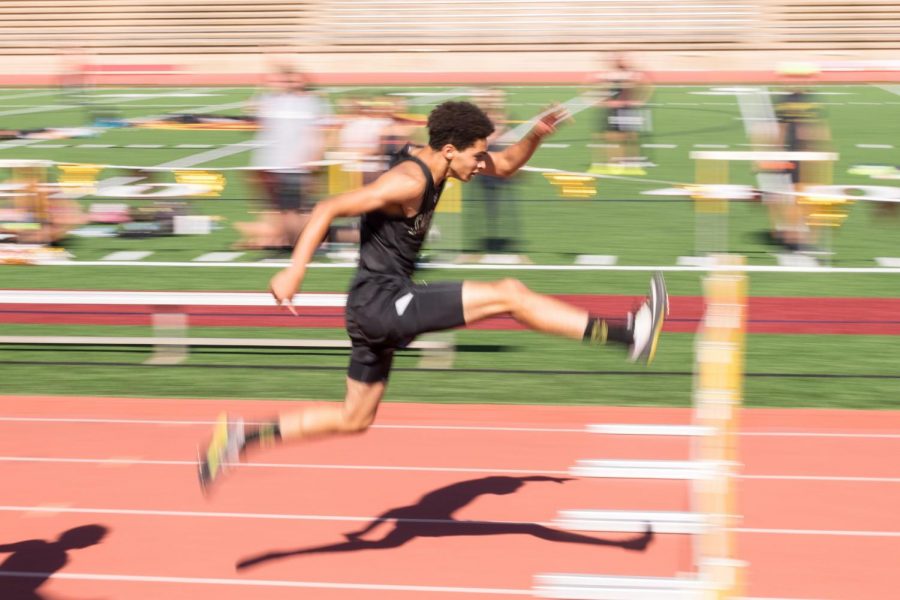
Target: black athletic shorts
{"x":387,"y":312}
{"x":625,"y":120}
{"x":288,"y":190}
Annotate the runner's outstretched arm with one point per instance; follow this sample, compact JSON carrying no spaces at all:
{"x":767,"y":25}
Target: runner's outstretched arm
{"x":510,"y":160}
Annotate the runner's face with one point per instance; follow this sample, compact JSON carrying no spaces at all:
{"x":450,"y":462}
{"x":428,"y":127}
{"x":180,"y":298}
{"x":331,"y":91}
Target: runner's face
{"x":467,"y":163}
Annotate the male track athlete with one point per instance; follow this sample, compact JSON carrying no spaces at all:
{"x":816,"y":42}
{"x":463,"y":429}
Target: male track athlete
{"x":386,"y":310}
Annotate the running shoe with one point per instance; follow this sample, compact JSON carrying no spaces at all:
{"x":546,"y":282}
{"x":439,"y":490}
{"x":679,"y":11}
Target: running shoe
{"x":648,"y":321}
{"x":224,"y":450}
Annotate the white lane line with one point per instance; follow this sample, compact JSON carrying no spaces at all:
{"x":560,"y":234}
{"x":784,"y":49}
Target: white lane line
{"x":369,"y":518}
{"x":403,"y":468}
{"x":245,"y":515}
{"x":837,"y":478}
{"x":876,"y":146}
{"x":888,"y":261}
{"x":259,"y":465}
{"x":448,"y":427}
{"x":264,"y":583}
{"x":822,"y":532}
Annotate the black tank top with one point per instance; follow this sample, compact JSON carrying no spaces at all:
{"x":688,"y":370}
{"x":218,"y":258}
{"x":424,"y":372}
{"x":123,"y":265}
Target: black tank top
{"x":390,"y":245}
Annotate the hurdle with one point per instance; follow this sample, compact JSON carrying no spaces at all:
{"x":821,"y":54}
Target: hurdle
{"x":711,"y":471}
{"x":169,"y":314}
{"x":712,"y":193}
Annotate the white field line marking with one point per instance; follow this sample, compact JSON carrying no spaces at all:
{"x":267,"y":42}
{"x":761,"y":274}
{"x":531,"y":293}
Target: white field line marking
{"x":127,"y":255}
{"x":218,"y":256}
{"x":37,"y":109}
{"x":186,"y":161}
{"x":107,"y":98}
{"x":489,"y":267}
{"x":55,"y":92}
{"x":19,"y":143}
{"x":56,"y":107}
{"x":356,"y":519}
{"x":448,"y":427}
{"x":401,"y":468}
{"x":264,"y":583}
{"x":894,"y":89}
{"x":438,"y":97}
{"x":201,"y":109}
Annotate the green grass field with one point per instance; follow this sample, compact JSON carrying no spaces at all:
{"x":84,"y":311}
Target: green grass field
{"x":783,"y":370}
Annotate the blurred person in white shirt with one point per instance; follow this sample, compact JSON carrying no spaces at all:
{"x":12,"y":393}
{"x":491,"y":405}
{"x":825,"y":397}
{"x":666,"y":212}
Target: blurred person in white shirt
{"x":290,"y":144}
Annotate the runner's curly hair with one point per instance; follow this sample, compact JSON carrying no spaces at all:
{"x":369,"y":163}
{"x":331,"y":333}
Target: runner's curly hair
{"x":458,"y":123}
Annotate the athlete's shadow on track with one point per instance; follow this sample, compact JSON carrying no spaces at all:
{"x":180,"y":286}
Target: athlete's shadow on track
{"x":432,"y":516}
{"x":32,"y":562}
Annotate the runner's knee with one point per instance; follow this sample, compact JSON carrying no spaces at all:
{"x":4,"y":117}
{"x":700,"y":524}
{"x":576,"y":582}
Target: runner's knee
{"x":514,"y":292}
{"x":357,"y":420}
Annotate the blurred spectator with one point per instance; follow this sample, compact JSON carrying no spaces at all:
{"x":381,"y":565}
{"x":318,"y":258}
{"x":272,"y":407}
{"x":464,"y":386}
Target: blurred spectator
{"x":362,"y":135}
{"x":74,"y":80}
{"x":32,"y":214}
{"x":801,"y":128}
{"x":624,"y":92}
{"x":290,"y":140}
{"x":495,"y":234}
{"x":404,"y":127}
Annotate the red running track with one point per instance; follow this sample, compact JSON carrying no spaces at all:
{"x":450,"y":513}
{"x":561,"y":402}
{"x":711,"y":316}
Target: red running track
{"x":855,"y":316}
{"x":819,"y":492}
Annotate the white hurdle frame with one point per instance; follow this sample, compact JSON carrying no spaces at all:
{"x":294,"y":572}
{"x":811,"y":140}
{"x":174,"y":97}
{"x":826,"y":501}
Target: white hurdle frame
{"x":711,"y":472}
{"x":712,"y":193}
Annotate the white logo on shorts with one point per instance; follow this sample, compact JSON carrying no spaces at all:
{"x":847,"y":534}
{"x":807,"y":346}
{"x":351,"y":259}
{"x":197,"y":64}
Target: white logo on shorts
{"x":402,"y":302}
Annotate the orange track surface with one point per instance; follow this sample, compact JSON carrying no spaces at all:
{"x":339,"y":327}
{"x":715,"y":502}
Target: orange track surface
{"x":821,"y":518}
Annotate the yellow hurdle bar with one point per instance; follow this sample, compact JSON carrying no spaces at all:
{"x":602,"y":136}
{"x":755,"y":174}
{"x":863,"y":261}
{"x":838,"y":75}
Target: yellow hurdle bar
{"x":718,"y":398}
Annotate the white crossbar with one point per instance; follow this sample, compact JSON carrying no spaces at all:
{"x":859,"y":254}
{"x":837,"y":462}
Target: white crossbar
{"x":162,"y":298}
{"x":74,"y":340}
{"x":762,"y":155}
{"x":650,"y":469}
{"x":638,"y":429}
{"x":634,"y":521}
{"x":611,"y":587}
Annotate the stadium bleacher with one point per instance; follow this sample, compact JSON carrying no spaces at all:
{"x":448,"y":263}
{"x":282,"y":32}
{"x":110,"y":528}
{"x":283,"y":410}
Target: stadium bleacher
{"x":122,"y":36}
